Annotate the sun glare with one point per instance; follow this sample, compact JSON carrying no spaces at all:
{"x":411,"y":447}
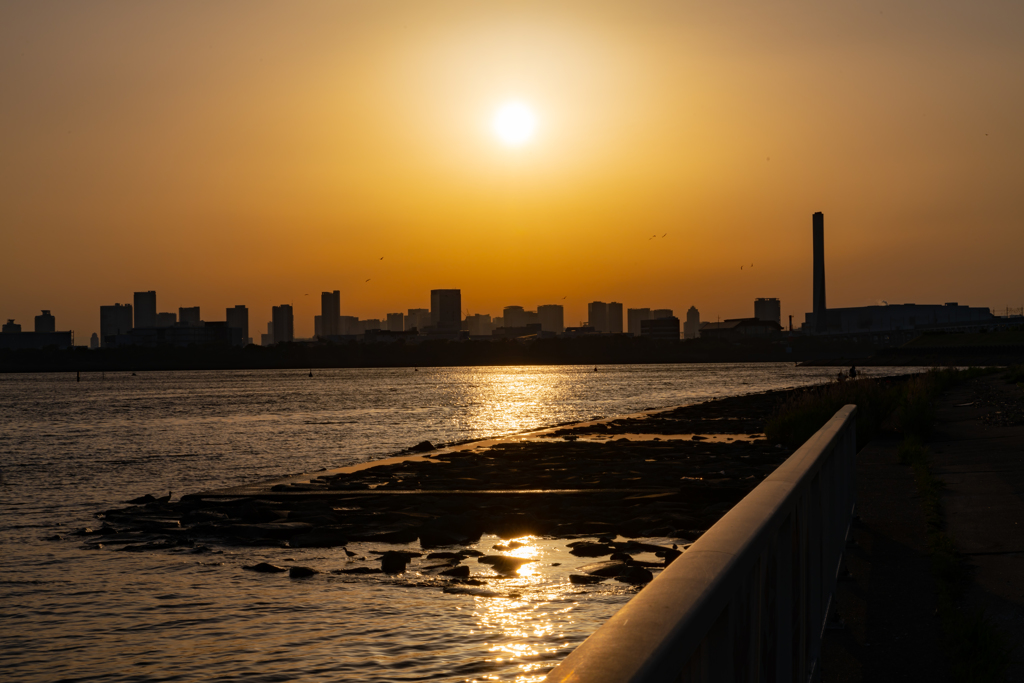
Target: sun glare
{"x":514,"y":123}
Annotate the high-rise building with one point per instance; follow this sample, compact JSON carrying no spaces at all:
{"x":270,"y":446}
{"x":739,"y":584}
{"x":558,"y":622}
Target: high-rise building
{"x":330,"y":313}
{"x":268,"y":338}
{"x":661,"y":313}
{"x":818,"y":244}
{"x":768,"y":309}
{"x":318,"y":326}
{"x":145,"y":309}
{"x":114,"y":320}
{"x":166,"y":319}
{"x":396,"y":322}
{"x":282,"y":323}
{"x":514,"y":316}
{"x":190,"y":316}
{"x":479,"y":325}
{"x":597,"y":316}
{"x":691,"y":328}
{"x":633,"y":318}
{"x":46,"y":323}
{"x":446,"y":309}
{"x":94,"y":341}
{"x":551,"y":318}
{"x":418,"y":318}
{"x":615,"y":318}
{"x":349,"y":324}
{"x":10,"y":327}
{"x":239,"y":317}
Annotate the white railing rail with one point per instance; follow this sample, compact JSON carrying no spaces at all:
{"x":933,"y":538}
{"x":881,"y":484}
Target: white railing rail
{"x":747,"y":601}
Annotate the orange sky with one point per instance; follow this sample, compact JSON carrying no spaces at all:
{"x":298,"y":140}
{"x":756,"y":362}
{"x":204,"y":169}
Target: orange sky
{"x":256,"y":152}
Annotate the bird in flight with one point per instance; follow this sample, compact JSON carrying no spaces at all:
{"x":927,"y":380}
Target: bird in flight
{"x":368,"y":279}
{"x":381,"y":258}
{"x":665,"y":234}
{"x":741,"y":267}
{"x":565,"y":297}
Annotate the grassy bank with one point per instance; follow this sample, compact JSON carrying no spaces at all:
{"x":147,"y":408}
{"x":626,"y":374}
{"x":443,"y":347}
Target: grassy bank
{"x":899,"y":405}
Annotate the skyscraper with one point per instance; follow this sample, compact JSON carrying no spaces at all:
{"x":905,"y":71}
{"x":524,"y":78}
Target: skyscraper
{"x":114,"y":320}
{"x":145,"y":309}
{"x":691,"y":328}
{"x":597,"y":316}
{"x":615,"y":318}
{"x":768,"y":309}
{"x":396,"y":322}
{"x":46,"y":323}
{"x":552,"y":318}
{"x":446,"y":309}
{"x":330,"y":312}
{"x":282,"y":323}
{"x":239,"y":317}
{"x":166,"y":319}
{"x":658,"y":313}
{"x":189,"y":316}
{"x":633,"y":318}
{"x":818,"y":243}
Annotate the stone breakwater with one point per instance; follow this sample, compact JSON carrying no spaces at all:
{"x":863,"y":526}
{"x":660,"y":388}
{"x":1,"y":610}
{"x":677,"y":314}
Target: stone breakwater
{"x":668,"y":474}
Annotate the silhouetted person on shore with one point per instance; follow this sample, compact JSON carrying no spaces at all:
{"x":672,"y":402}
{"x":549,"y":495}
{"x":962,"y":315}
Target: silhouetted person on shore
{"x":853,"y":372}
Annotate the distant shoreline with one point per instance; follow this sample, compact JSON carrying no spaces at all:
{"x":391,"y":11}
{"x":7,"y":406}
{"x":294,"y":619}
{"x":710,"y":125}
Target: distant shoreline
{"x":597,"y":351}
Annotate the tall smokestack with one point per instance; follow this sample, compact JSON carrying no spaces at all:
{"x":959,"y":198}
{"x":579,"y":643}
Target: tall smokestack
{"x":818,"y":230}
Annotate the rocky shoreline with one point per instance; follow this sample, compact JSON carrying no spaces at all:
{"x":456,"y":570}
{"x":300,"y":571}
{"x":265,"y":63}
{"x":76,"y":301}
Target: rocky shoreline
{"x":669,"y":474}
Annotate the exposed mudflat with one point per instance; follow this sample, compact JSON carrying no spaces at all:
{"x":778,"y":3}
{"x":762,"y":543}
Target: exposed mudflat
{"x":555,"y":485}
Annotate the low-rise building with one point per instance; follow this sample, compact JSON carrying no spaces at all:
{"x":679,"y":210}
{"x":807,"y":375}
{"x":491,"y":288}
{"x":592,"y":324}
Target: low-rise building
{"x":660,"y":328}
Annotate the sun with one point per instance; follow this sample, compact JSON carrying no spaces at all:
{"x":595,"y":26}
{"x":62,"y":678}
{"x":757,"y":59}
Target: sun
{"x":514,"y":123}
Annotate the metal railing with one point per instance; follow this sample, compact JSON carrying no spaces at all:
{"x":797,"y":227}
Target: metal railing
{"x":747,"y":601}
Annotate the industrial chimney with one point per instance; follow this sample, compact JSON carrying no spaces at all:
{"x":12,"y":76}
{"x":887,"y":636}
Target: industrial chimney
{"x":818,"y":230}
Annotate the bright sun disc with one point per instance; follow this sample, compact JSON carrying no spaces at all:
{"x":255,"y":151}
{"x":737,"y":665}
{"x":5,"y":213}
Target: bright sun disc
{"x":514,"y":123}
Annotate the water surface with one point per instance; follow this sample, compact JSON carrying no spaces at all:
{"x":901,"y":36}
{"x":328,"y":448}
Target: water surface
{"x":70,"y":449}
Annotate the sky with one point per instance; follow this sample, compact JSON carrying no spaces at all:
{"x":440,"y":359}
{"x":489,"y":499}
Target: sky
{"x":259,"y":153}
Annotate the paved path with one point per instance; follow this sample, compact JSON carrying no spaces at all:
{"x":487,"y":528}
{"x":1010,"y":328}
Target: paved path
{"x":889,"y":603}
{"x":981,"y":463}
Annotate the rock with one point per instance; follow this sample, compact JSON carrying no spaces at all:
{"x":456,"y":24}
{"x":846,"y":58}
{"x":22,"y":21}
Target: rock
{"x":265,"y":568}
{"x":590,"y":549}
{"x":393,"y":563}
{"x":141,"y":500}
{"x":462,"y":571}
{"x":606,"y":569}
{"x":422,"y":447}
{"x":511,"y":545}
{"x":55,"y":537}
{"x":444,"y":556}
{"x":302,"y":572}
{"x":503,"y":564}
{"x":625,"y":557}
{"x":635,"y":575}
{"x":583,"y":579}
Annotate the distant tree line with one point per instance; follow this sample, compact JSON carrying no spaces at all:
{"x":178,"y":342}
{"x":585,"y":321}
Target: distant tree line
{"x":597,"y":350}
